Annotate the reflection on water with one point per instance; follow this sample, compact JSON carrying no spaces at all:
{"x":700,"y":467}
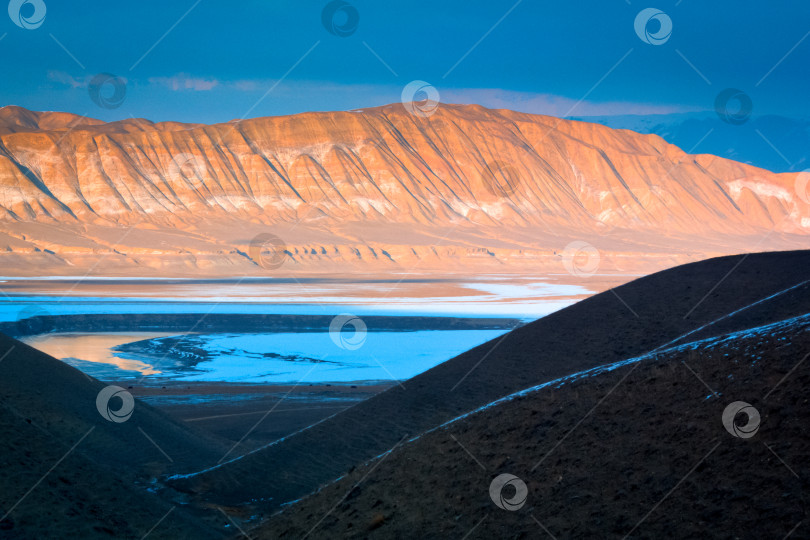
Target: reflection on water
{"x":95,"y":349}
{"x":307,"y":357}
{"x":282,"y":357}
{"x":153,"y":358}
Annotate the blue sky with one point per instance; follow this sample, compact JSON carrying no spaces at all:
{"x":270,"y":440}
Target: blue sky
{"x":219,"y":60}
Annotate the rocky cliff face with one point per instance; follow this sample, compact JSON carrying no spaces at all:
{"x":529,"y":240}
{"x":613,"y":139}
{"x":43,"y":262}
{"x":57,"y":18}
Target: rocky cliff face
{"x":371,"y":189}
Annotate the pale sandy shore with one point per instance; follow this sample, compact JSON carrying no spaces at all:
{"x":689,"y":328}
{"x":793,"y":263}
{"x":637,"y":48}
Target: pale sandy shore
{"x":529,"y":296}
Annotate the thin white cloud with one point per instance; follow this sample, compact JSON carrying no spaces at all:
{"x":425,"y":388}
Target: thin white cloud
{"x":553,"y":105}
{"x":308,"y":95}
{"x":182,"y":82}
{"x":245,"y":86}
{"x":68,"y":80}
{"x":369,"y":95}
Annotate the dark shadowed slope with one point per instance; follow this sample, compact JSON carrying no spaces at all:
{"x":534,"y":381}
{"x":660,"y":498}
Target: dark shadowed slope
{"x":70,"y":473}
{"x":638,"y":449}
{"x":62,"y":400}
{"x":631,"y":320}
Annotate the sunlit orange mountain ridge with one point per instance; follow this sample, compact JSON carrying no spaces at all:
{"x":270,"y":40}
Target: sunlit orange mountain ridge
{"x":467,"y":189}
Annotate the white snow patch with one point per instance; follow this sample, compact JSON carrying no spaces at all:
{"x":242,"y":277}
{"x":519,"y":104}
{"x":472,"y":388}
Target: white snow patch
{"x":760,"y":189}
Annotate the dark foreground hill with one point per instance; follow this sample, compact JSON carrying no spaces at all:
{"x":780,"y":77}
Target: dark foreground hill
{"x":601,"y":455}
{"x":67,"y":472}
{"x":637,"y":449}
{"x":677,"y":305}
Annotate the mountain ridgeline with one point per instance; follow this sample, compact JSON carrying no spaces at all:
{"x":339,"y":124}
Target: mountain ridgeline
{"x":377,"y":187}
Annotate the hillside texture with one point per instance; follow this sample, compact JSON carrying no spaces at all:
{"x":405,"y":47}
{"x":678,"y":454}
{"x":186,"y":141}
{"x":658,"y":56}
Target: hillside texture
{"x":372,"y":190}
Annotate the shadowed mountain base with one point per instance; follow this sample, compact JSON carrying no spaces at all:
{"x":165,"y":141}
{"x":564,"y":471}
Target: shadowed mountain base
{"x":640,"y":451}
{"x":70,"y":473}
{"x":630,"y":320}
